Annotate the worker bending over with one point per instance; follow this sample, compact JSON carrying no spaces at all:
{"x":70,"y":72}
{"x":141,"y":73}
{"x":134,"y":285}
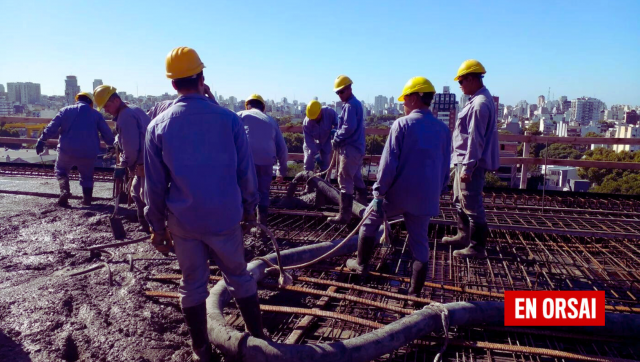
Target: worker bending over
{"x":413,"y":171}
{"x":78,"y":126}
{"x":200,"y":172}
{"x":317,"y":127}
{"x":267,"y":147}
{"x":475,"y":151}
{"x":349,"y":142}
{"x":131,"y":125}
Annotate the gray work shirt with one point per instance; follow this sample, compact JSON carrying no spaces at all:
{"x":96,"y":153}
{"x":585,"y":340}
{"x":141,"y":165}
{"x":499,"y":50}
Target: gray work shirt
{"x":198,"y":168}
{"x":131,"y":124}
{"x":414,"y":166}
{"x":265,"y":139}
{"x":475,"y":138}
{"x":351,"y":125}
{"x":317,"y":134}
{"x":78,"y":126}
{"x":164,"y":105}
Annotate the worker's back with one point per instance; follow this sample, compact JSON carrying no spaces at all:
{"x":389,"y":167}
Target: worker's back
{"x":205,"y":155}
{"x":261,"y":132}
{"x":423,"y":147}
{"x":78,"y":126}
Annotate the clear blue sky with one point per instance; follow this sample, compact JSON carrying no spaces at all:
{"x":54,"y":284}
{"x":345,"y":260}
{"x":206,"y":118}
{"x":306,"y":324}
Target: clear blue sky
{"x":287,"y":48}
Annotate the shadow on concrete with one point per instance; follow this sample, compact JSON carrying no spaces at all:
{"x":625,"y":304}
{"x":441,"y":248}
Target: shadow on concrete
{"x":11,"y":351}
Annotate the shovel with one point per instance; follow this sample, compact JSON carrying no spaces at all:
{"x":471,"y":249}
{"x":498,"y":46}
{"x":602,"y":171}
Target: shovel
{"x":116,"y":224}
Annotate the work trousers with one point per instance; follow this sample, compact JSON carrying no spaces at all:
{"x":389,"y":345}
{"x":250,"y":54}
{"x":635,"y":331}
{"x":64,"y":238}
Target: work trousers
{"x":417,"y":229}
{"x":226,"y":249}
{"x":350,"y":169}
{"x":311,"y":158}
{"x":137,"y":188}
{"x":467,"y":196}
{"x":265,"y":176}
{"x":65,"y":162}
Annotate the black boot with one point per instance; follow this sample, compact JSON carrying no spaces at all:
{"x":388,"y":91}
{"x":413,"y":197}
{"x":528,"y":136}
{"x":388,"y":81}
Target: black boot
{"x":418,"y":277}
{"x":144,"y":224}
{"x":65,"y":192}
{"x":476,"y":249}
{"x":87,"y":196}
{"x":346,"y":204}
{"x":250,"y":311}
{"x":461,"y":239}
{"x":196,"y":319}
{"x":366,"y":247}
{"x":362,"y":196}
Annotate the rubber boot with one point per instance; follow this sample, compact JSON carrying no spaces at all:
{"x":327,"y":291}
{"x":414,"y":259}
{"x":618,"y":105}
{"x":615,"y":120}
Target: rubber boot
{"x":366,"y":247}
{"x":65,"y":192}
{"x":346,"y":204}
{"x":263,"y":215}
{"x":87,"y":196}
{"x":418,"y":277}
{"x":250,"y":311}
{"x":196,"y":319}
{"x":476,"y":249}
{"x":362,"y":196}
{"x":144,"y":224}
{"x":461,"y":239}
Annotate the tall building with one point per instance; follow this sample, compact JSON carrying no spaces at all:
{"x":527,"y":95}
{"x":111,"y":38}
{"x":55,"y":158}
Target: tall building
{"x":380,"y":103}
{"x":1,"y":88}
{"x":586,"y":109}
{"x":23,"y":93}
{"x":464,"y":99}
{"x":444,"y":107}
{"x":627,"y":131}
{"x":96,"y":83}
{"x":496,"y":104}
{"x":540,"y":101}
{"x":391,"y":101}
{"x":71,"y":88}
{"x":5,"y":107}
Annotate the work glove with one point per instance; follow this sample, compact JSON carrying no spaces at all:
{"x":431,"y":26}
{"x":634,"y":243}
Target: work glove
{"x":377,"y":205}
{"x":119,"y":173}
{"x":163,"y":242}
{"x":40,"y":146}
{"x":248,"y":222}
{"x":335,"y":144}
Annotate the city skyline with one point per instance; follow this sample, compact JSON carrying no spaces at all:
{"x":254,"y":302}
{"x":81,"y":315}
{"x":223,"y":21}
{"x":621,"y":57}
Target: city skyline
{"x":279,"y":50}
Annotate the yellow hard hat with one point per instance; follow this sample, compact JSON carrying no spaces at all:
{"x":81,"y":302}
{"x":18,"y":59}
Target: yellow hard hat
{"x":470,"y":66}
{"x":101,"y":94}
{"x":86,"y":94}
{"x":341,"y":82}
{"x":183,"y":62}
{"x":416,"y":85}
{"x":313,"y":109}
{"x":256,"y":97}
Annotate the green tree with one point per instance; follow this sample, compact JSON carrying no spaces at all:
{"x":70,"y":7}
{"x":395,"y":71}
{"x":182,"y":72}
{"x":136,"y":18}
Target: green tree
{"x":534,"y":128}
{"x":592,"y":134}
{"x":627,"y":185}
{"x":491,"y":180}
{"x":375,"y":144}
{"x":294,"y":141}
{"x":598,"y":176}
{"x":561,"y":151}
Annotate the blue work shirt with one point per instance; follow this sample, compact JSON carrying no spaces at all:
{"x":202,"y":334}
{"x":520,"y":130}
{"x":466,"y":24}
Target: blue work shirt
{"x":78,"y":126}
{"x":198,"y":168}
{"x":351,"y":125}
{"x":131,"y":124}
{"x":414,"y":166}
{"x":317,"y":134}
{"x":475,"y":138}
{"x":265,"y":139}
{"x":164,"y":105}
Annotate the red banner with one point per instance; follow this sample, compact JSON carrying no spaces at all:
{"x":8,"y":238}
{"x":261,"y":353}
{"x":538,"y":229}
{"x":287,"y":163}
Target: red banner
{"x":552,"y":308}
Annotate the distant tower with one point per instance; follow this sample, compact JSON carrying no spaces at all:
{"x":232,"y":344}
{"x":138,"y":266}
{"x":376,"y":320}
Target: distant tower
{"x":540,"y":101}
{"x":71,"y":89}
{"x":96,"y":83}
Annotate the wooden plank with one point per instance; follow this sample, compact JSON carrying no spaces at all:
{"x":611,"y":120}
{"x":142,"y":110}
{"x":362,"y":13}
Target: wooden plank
{"x":368,"y":131}
{"x":366,"y":158}
{"x":298,"y":333}
{"x":574,"y":163}
{"x":35,"y":120}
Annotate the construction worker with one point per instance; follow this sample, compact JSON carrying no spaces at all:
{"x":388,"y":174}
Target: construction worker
{"x":78,"y":126}
{"x":200,"y":172}
{"x":475,"y":151}
{"x":317,"y":127}
{"x":267,"y":147}
{"x":164,"y":105}
{"x":349,"y":142}
{"x":413,"y":171}
{"x":131,"y":125}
